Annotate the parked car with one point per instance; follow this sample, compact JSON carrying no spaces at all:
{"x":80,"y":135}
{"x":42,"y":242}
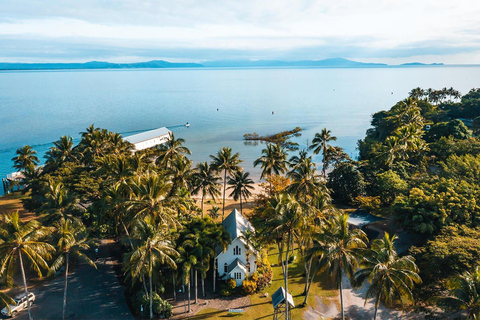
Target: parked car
{"x":21,"y":301}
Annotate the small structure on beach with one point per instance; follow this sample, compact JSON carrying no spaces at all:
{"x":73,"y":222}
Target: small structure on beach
{"x":149,"y":139}
{"x":13,"y":180}
{"x":278,"y":302}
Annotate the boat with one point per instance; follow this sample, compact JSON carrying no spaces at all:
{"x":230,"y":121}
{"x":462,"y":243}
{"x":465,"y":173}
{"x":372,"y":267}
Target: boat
{"x":187,"y":125}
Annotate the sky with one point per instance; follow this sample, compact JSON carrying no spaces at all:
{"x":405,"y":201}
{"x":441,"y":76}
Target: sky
{"x":387,"y":31}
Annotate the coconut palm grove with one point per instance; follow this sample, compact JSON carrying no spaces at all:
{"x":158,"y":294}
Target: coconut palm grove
{"x":417,"y":174}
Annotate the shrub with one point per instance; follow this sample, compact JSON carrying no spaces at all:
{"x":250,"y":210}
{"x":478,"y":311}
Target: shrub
{"x":249,"y":286}
{"x":264,"y":272}
{"x":160,"y":306}
{"x":231,"y":284}
{"x":228,"y":288}
{"x":370,"y":204}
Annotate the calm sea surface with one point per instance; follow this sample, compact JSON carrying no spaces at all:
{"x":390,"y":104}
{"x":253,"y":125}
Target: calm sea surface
{"x":36,"y":108}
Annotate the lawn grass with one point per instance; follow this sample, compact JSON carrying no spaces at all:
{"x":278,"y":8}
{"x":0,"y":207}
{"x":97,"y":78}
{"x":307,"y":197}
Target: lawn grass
{"x":261,"y":307}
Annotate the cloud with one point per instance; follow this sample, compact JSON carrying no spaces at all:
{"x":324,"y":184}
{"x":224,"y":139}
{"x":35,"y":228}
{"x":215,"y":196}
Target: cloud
{"x":199,"y":30}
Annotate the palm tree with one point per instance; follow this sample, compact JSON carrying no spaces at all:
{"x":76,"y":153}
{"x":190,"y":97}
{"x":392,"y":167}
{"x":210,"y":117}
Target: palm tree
{"x":188,"y":261}
{"x":463,"y":294}
{"x":241,"y":185}
{"x":320,"y":144}
{"x":273,"y":160}
{"x":152,"y":248}
{"x":114,"y":203}
{"x":59,"y":202}
{"x":170,"y":150}
{"x":181,"y":173}
{"x":227,"y":162}
{"x":390,"y":277}
{"x":284,"y":215}
{"x":218,"y":237}
{"x":62,"y":151}
{"x":305,"y":181}
{"x":149,"y":197}
{"x":213,"y":212}
{"x":6,"y":300}
{"x":18,"y":239}
{"x":71,"y":241}
{"x":338,"y":249}
{"x":25,"y":157}
{"x":205,"y":181}
{"x":296,"y":160}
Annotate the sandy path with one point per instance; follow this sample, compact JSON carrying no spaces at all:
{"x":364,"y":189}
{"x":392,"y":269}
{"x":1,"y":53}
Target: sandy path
{"x":355,"y":307}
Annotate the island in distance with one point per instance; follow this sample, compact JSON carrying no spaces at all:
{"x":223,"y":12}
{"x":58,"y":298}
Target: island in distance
{"x":325,"y":63}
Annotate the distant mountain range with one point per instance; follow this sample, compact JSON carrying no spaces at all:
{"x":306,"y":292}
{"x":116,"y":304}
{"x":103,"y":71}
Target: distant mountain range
{"x":326,"y":63}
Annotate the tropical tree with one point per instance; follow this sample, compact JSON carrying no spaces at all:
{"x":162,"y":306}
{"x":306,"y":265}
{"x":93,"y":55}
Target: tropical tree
{"x":305,"y":181}
{"x":284,"y":215}
{"x":7,"y":301}
{"x":59,"y":202}
{"x":463,"y":294}
{"x":227,"y":162}
{"x":320,"y":144}
{"x":214,"y":213}
{"x":62,"y":151}
{"x":152,"y":248}
{"x":25,"y":157}
{"x":391,"y":277}
{"x":19,"y":241}
{"x":273,"y":160}
{"x":181,"y":173}
{"x":170,"y":150}
{"x":70,"y":240}
{"x":218,"y":237}
{"x":149,"y":197}
{"x":338,"y":249}
{"x":114,"y":203}
{"x":241,"y":185}
{"x":205,"y":181}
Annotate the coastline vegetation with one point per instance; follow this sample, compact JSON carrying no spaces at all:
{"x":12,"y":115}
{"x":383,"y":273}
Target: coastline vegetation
{"x":418,"y":168}
{"x":281,"y":138}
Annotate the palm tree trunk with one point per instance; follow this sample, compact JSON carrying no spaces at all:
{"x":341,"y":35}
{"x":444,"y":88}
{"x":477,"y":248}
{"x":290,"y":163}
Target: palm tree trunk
{"x":25,"y":285}
{"x":241,"y":208}
{"x":144,"y":285}
{"x":188,"y":285}
{"x":203,"y":286}
{"x":341,"y":296}
{"x":151,"y":291}
{"x":377,"y":302}
{"x":309,"y":285}
{"x":183,"y":290}
{"x":214,"y":273}
{"x":224,"y":188}
{"x":196,"y":287}
{"x":65,"y":288}
{"x":174,"y":289}
{"x":202,"y":204}
{"x":287,"y":315}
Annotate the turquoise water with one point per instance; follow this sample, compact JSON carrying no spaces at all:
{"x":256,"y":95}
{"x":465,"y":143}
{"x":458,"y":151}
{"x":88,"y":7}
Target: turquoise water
{"x":36,"y":108}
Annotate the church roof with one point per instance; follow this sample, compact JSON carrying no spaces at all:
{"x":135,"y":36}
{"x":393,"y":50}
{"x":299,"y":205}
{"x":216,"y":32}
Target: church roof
{"x":236,"y":263}
{"x":236,"y":224}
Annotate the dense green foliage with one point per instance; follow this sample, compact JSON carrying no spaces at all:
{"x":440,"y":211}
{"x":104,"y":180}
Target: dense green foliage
{"x":418,"y":166}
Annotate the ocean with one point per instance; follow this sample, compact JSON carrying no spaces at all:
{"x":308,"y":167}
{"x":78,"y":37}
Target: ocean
{"x":221,"y":105}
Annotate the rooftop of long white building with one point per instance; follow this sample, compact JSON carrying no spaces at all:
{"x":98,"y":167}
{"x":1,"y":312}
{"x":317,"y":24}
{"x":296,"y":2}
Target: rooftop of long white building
{"x":147,"y":135}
